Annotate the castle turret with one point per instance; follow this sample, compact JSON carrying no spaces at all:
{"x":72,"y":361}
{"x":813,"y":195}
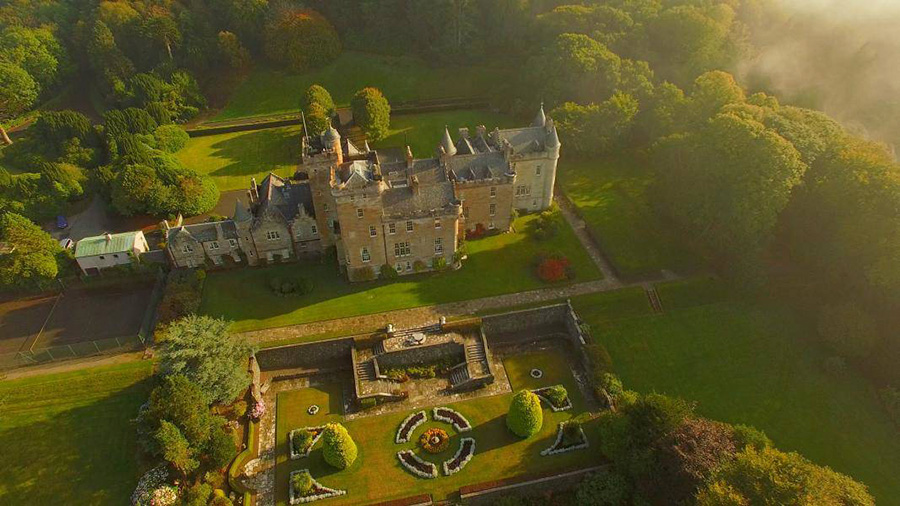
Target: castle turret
{"x":541,"y":119}
{"x":447,"y":143}
{"x":332,"y":141}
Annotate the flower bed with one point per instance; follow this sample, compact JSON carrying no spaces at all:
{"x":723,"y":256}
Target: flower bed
{"x":453,"y":417}
{"x":417,"y":466}
{"x":560,"y":446}
{"x":149,"y":485}
{"x":318,"y":491}
{"x":408,"y":425}
{"x":434,"y":440}
{"x":297,"y":453}
{"x":463,"y":456}
{"x":542,"y":394}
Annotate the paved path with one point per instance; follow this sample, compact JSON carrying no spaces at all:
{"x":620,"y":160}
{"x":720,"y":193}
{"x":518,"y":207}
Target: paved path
{"x":580,"y":228}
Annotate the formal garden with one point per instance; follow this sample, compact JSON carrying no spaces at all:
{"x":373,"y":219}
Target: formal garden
{"x":485,"y":439}
{"x":496,"y":264}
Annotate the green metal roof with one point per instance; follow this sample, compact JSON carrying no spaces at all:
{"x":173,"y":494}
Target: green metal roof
{"x":99,"y":245}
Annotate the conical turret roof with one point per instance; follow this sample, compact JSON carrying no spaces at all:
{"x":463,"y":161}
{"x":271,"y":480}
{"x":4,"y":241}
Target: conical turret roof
{"x":541,"y":119}
{"x":447,"y":143}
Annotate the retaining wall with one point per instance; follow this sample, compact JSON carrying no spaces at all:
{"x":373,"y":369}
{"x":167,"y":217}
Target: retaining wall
{"x":306,"y":356}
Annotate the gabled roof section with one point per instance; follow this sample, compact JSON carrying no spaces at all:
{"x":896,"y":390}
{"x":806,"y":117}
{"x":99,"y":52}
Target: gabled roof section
{"x":105,"y":244}
{"x":241,"y":214}
{"x":478,"y":166}
{"x":524,"y":140}
{"x":279,"y":197}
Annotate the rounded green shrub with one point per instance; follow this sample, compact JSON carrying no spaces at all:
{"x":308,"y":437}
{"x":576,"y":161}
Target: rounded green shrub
{"x":339,"y":449}
{"x":302,"y":483}
{"x":525,"y":417}
{"x":170,"y":138}
{"x":557,"y":395}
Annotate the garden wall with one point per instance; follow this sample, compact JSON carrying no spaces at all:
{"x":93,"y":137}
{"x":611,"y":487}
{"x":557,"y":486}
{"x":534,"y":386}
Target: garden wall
{"x":526,"y":325}
{"x":488,"y":493}
{"x":420,"y":355}
{"x":305,"y":356}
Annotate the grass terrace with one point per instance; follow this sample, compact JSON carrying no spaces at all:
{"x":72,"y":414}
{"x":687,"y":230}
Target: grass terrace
{"x":753,"y":363}
{"x":497,"y":265}
{"x":67,"y":438}
{"x":378,"y":476}
{"x":233,"y":158}
{"x":401,"y":79}
{"x":612,"y":195}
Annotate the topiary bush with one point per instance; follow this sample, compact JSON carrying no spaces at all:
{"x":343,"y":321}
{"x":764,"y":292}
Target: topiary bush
{"x":302,"y":483}
{"x":557,"y":395}
{"x":525,"y":417}
{"x":339,"y":448}
{"x":301,"y":439}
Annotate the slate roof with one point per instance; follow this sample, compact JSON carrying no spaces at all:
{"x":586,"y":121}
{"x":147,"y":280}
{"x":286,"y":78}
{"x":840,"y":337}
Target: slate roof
{"x":205,"y":232}
{"x":406,"y":202}
{"x":478,"y":166}
{"x":279,"y":196}
{"x":101,"y":245}
{"x":524,"y":140}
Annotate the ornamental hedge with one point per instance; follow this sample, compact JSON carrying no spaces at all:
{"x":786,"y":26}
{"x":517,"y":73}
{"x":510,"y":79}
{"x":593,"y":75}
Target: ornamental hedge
{"x":525,"y":417}
{"x":340,"y":451}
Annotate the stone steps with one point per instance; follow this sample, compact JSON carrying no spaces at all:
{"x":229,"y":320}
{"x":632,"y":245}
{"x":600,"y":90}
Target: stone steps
{"x":459,"y":375}
{"x":365,"y":370}
{"x":653,"y":297}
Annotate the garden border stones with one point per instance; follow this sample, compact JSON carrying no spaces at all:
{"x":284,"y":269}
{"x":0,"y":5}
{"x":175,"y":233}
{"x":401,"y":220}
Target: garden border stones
{"x":325,"y":492}
{"x":412,"y":463}
{"x":408,"y":426}
{"x":453,"y":417}
{"x":297,"y":455}
{"x":465,"y":443}
{"x":555,"y":448}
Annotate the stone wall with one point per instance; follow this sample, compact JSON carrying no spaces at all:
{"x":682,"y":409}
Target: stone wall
{"x":304,"y":356}
{"x":478,"y":197}
{"x":478,"y":495}
{"x":525,"y":320}
{"x":420,"y":355}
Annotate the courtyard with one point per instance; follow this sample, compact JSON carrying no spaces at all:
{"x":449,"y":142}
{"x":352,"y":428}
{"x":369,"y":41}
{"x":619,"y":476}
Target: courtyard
{"x":377,"y":475}
{"x":498,"y":264}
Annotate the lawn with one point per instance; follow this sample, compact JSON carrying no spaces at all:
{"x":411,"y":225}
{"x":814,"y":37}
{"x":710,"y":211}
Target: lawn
{"x":401,"y":79}
{"x":67,"y":438}
{"x":233,"y":158}
{"x":422,"y":132}
{"x":497,"y":265}
{"x":612,"y":195}
{"x":753,"y":363}
{"x":378,"y":476}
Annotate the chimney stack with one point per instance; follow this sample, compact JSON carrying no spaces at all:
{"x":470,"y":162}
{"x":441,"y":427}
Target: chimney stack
{"x":414,"y":184}
{"x":464,"y":132}
{"x":481,"y":131}
{"x":409,"y":157}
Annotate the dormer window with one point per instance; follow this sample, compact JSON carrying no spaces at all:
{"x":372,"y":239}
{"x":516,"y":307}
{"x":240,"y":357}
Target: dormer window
{"x":187,"y":248}
{"x":359,"y":212}
{"x":273,"y":235}
{"x":232,"y":243}
{"x":214,"y":245}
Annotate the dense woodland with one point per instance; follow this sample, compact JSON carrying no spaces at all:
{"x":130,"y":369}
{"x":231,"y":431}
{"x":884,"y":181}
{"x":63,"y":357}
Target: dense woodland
{"x":780,"y":199}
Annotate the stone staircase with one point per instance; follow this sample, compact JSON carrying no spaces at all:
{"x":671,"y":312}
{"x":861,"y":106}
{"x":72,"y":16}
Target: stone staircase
{"x":365,"y":370}
{"x":653,"y":297}
{"x":459,"y":375}
{"x":476,"y":356}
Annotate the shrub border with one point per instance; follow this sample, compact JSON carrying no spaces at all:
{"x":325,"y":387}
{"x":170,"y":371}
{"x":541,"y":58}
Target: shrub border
{"x":329,"y":492}
{"x":298,"y":455}
{"x":554,"y":449}
{"x":567,"y":406}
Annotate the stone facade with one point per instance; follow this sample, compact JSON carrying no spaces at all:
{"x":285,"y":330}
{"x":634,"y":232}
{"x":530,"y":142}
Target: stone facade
{"x":407,"y":214}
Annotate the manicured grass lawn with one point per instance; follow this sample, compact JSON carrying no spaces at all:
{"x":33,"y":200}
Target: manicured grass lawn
{"x":612,"y":194}
{"x":377,"y":474}
{"x":67,"y":438}
{"x":753,"y":363}
{"x":401,"y":79}
{"x":233,"y":158}
{"x":498,"y":264}
{"x":423,"y":131}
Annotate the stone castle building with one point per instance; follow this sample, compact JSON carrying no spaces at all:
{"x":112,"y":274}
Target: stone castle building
{"x":376,"y":211}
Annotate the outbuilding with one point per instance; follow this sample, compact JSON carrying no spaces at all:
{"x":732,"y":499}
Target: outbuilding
{"x":94,"y":254}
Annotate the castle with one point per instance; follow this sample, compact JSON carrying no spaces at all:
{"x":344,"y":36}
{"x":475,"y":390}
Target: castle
{"x":377,"y":211}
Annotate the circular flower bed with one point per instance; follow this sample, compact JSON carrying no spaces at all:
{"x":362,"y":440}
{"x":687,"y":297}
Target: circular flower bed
{"x":537,"y":373}
{"x":313,"y":409}
{"x":434,"y":440}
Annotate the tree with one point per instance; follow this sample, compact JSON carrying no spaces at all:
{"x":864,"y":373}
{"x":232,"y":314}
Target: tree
{"x":175,"y":448}
{"x":31,"y":256}
{"x":231,"y":52}
{"x":18,"y":91}
{"x":35,"y":50}
{"x":201,"y":349}
{"x":119,"y":122}
{"x":317,"y":94}
{"x":371,"y":112}
{"x":596,"y":129}
{"x":711,"y":92}
{"x":181,"y":402}
{"x":525,"y":417}
{"x":688,"y":456}
{"x":301,"y":39}
{"x":603,"y":488}
{"x":574,"y":67}
{"x":55,"y":128}
{"x":170,"y":138}
{"x":220,"y":450}
{"x":770,"y":476}
{"x":848,"y":329}
{"x":339,"y":448}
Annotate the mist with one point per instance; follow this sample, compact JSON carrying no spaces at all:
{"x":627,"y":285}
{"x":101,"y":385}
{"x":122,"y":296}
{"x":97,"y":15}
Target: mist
{"x":837,"y":56}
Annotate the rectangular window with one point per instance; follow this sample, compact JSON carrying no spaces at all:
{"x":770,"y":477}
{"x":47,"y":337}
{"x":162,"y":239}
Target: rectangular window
{"x":372,"y":231}
{"x":365,"y":255}
{"x":408,"y":266}
{"x":493,"y":191}
{"x":273,"y":235}
{"x":187,"y":248}
{"x":409,"y":226}
{"x":493,"y":209}
{"x":359,"y":212}
{"x":523,"y":190}
{"x":232,"y":243}
{"x":437,"y":223}
{"x":392,"y":228}
{"x":438,"y":246}
{"x":102,"y":257}
{"x":214,"y":245}
{"x":537,"y":170}
{"x":492,"y":226}
{"x":402,"y":249}
{"x":314,"y":229}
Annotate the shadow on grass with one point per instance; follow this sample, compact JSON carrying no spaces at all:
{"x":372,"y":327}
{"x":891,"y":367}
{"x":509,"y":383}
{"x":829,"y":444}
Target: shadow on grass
{"x":256,"y":151}
{"x":85,"y":455}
